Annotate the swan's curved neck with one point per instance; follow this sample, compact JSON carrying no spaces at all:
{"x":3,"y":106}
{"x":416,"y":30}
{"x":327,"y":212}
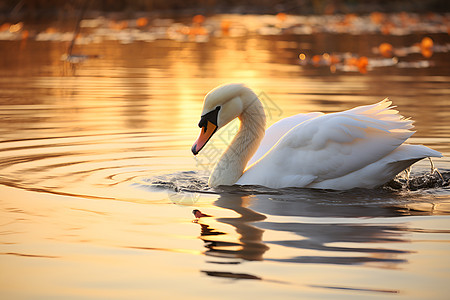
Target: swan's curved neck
{"x":231,"y":164}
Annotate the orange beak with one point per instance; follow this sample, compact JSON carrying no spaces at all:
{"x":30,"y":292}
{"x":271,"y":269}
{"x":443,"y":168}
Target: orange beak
{"x":205,"y":134}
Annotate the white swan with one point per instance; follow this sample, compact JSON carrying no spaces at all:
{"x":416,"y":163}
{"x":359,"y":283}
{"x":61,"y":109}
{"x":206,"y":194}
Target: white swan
{"x":361,"y":147}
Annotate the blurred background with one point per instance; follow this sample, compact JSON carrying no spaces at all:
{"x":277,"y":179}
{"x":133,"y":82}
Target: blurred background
{"x":45,"y":9}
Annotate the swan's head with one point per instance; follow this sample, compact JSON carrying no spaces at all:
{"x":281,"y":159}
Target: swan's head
{"x":221,"y":105}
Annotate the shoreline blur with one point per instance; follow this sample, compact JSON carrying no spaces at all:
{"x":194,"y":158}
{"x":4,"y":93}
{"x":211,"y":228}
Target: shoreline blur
{"x":47,"y":10}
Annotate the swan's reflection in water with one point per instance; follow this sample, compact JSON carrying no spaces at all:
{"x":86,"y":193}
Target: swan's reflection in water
{"x":249,"y":244}
{"x":319,"y":227}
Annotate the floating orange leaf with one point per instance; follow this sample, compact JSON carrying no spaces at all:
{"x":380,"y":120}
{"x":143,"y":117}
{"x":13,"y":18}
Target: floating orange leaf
{"x":5,"y":26}
{"x":281,"y":17}
{"x":198,"y":19}
{"x":51,"y":30}
{"x":362,"y":64}
{"x":316,"y":59}
{"x":25,"y":34}
{"x":386,"y":49}
{"x":225,"y":25}
{"x":426,"y":52}
{"x":377,"y":17}
{"x":426,"y":43}
{"x":141,"y":22}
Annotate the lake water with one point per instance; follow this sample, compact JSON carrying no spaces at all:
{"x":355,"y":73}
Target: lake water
{"x":98,"y":182}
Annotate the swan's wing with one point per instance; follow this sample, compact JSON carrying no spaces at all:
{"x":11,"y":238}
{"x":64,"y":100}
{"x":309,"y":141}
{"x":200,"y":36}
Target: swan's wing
{"x":333,"y":145}
{"x":381,"y":171}
{"x":277,"y":130}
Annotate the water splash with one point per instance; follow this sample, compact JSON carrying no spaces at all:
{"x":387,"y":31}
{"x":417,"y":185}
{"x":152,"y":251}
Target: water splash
{"x":195,"y":182}
{"x":429,"y":180}
{"x":188,"y":181}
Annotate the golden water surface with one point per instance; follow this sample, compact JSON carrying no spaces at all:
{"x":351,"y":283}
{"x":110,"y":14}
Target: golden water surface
{"x":98,"y":184}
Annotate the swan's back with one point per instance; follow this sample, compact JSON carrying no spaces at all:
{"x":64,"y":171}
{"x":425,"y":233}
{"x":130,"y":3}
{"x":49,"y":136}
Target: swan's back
{"x":354,"y":148}
{"x":277,"y":130}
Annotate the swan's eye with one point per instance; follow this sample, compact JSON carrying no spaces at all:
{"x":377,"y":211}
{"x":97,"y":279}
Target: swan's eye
{"x":203,"y":122}
{"x":211,"y":117}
